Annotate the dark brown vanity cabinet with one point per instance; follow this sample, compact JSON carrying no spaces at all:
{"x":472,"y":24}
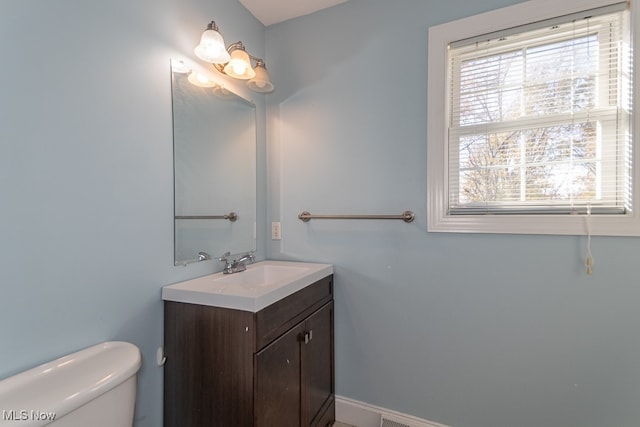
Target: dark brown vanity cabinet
{"x":233,"y":368}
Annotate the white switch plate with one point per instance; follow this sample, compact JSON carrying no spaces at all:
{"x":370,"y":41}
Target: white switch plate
{"x":276,"y":232}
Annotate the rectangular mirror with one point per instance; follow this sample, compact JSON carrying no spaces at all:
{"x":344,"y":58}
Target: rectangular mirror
{"x":214,"y":148}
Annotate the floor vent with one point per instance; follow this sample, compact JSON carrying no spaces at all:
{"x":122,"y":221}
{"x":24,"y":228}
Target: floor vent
{"x":388,"y":422}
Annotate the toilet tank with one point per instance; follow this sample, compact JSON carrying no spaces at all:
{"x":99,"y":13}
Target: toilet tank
{"x":93,"y":387}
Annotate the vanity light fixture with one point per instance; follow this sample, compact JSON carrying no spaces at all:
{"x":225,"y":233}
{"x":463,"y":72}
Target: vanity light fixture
{"x":237,"y":61}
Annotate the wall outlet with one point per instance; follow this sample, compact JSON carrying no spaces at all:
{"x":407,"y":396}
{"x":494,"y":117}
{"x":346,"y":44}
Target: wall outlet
{"x":276,"y":232}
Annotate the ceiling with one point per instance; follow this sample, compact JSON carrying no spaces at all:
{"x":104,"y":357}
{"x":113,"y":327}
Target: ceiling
{"x":273,"y":11}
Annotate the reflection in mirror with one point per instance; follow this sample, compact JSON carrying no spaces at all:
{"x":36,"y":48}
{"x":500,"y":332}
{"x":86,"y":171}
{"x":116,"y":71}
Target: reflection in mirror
{"x":214,"y":140}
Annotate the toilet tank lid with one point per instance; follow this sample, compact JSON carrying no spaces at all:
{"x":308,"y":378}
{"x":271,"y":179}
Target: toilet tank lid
{"x":64,"y":384}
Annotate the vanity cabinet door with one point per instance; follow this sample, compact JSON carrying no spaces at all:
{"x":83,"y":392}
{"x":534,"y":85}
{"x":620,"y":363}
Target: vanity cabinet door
{"x":277,"y":381}
{"x":318,"y":365}
{"x":295,"y":375}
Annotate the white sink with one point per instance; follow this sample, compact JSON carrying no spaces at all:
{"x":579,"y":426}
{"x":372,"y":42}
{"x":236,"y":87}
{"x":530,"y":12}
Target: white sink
{"x":260,"y":285}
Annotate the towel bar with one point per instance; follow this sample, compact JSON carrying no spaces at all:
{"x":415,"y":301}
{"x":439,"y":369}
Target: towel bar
{"x":407,"y":216}
{"x":231,"y":216}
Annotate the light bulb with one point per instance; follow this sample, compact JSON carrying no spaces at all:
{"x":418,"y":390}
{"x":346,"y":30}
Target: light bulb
{"x":239,"y":67}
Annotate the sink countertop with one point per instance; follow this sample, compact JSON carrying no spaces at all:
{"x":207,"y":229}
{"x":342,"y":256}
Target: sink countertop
{"x":259,"y":286}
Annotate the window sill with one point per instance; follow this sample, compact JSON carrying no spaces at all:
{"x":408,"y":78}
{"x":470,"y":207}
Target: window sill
{"x":609,"y":225}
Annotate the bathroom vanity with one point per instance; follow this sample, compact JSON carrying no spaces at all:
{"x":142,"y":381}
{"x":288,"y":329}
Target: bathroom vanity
{"x":251,"y":349}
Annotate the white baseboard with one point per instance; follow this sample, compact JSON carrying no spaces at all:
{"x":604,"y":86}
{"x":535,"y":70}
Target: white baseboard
{"x":360,"y":414}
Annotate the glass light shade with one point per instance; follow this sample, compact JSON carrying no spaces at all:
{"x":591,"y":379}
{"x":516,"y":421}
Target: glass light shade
{"x":198,"y":79}
{"x":261,"y":82}
{"x":211,"y":48}
{"x":239,"y":66}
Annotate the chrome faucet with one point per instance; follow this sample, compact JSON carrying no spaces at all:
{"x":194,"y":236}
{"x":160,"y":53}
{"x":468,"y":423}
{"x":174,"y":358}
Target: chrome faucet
{"x":238,"y":265}
{"x":203,"y":256}
{"x":227,"y":265}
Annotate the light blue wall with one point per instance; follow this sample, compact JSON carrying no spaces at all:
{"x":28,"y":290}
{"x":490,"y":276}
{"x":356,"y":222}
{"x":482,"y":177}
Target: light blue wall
{"x":86,"y":206}
{"x":466,"y":330}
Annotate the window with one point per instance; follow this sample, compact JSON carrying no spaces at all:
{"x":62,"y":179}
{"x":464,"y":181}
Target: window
{"x":530,"y":126}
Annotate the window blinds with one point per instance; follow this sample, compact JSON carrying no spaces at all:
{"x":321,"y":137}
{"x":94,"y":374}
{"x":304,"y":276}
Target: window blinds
{"x":539,"y":117}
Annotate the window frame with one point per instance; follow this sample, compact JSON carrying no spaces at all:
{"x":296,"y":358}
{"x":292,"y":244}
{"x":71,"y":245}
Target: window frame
{"x":439,"y":220}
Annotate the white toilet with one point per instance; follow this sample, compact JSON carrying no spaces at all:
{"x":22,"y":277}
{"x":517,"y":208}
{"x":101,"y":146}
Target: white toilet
{"x":93,"y":387}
